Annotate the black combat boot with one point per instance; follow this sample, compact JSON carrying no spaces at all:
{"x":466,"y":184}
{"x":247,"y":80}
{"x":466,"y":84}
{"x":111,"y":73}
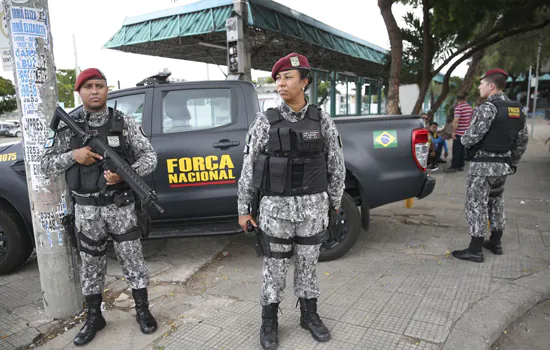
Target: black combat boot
{"x":94,"y":320}
{"x":493,"y":244}
{"x":311,"y":321}
{"x":473,"y":252}
{"x":270,"y":327}
{"x":146,"y":321}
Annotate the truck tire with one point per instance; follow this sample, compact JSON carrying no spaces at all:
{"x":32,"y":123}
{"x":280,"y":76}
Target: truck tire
{"x":15,"y":244}
{"x":334,"y":249}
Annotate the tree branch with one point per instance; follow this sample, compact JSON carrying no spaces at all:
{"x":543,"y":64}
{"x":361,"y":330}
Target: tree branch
{"x":469,"y":54}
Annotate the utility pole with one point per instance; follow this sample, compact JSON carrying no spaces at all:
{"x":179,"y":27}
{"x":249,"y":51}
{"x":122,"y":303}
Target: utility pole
{"x":36,"y":87}
{"x":536,"y":90}
{"x":77,"y":100}
{"x":238,"y":52}
{"x":529,"y":89}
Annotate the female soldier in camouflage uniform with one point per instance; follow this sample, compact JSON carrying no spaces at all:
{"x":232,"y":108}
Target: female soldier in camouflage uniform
{"x":294,"y":158}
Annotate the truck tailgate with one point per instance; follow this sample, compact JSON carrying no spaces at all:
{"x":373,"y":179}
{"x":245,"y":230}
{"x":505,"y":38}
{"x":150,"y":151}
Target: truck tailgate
{"x":379,"y":148}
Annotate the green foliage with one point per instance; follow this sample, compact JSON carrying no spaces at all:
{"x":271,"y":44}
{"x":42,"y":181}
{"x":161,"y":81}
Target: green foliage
{"x":8,"y":100}
{"x":66,"y":78}
{"x":323,"y":89}
{"x":516,"y":54}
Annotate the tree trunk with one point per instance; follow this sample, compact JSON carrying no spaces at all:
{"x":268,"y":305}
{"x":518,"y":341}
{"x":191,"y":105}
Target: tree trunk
{"x":427,"y":64}
{"x":396,"y":44}
{"x":468,"y":81}
{"x":471,"y":73}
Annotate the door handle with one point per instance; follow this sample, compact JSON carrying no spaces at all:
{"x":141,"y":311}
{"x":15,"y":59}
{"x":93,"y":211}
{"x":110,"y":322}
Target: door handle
{"x":224,"y":144}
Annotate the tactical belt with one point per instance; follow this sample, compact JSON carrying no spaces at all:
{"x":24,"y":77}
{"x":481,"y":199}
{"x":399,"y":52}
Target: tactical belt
{"x":97,"y":201}
{"x":505,"y":160}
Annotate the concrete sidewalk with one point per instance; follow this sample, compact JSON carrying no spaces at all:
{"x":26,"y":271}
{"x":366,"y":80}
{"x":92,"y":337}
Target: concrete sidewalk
{"x":397,"y":289}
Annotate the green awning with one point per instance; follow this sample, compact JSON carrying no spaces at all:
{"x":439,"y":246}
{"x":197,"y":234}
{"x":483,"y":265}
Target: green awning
{"x":196,"y":32}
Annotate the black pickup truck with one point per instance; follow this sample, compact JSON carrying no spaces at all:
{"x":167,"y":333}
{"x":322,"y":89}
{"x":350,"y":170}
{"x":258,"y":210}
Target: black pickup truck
{"x":198,"y":130}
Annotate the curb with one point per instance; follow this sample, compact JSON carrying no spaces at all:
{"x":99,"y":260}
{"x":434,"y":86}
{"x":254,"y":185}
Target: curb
{"x":483,"y":324}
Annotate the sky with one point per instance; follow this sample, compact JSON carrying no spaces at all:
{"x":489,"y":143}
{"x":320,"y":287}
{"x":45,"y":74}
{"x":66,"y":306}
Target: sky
{"x":93,"y":23}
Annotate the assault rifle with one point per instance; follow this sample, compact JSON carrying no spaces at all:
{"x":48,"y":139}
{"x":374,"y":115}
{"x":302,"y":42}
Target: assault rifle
{"x":111,"y":160}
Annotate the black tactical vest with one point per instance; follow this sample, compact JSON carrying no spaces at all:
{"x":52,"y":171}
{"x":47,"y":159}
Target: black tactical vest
{"x":89,"y":178}
{"x":503,"y":133}
{"x":294,"y":163}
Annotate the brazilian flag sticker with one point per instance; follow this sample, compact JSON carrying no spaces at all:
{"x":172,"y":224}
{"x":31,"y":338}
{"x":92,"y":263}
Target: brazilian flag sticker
{"x":384,"y":139}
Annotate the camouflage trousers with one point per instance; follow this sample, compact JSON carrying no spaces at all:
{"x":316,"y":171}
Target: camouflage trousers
{"x":484,"y":202}
{"x":305,"y":258}
{"x":95,"y":223}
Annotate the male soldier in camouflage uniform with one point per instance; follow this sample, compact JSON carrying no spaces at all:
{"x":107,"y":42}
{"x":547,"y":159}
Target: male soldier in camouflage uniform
{"x":104,"y":204}
{"x":294,"y":157}
{"x":495,"y":142}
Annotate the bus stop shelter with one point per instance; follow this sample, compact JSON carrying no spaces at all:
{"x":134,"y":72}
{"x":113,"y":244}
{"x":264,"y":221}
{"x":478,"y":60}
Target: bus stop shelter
{"x":352,"y":68}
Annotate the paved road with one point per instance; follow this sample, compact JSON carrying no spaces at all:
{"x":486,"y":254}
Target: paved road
{"x":528,"y":333}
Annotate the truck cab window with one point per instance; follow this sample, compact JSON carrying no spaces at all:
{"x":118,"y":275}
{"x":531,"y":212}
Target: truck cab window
{"x":188,"y":110}
{"x":131,"y":105}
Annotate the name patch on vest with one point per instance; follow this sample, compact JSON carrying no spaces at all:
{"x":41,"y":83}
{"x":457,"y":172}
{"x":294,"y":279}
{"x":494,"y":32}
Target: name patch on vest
{"x":113,"y":141}
{"x":513,"y":112}
{"x":311,"y":135}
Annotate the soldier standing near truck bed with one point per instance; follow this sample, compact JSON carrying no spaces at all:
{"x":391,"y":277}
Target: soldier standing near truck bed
{"x":104,"y":204}
{"x":293,"y":157}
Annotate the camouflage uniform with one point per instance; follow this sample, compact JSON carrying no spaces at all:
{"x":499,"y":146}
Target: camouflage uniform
{"x":287,"y":217}
{"x":484,"y":177}
{"x":96,"y":222}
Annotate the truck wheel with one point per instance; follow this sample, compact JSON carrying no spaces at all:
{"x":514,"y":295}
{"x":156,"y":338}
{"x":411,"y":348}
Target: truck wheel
{"x":15,"y":245}
{"x":333,"y":249}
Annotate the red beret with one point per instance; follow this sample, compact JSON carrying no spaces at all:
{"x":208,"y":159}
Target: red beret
{"x":87,"y":74}
{"x":291,"y":61}
{"x":493,"y":72}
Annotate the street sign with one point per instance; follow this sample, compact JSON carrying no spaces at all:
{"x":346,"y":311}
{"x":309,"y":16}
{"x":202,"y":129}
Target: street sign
{"x":5,"y":51}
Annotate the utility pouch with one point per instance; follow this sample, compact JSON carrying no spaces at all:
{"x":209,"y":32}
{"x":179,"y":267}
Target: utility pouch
{"x":260,"y":170}
{"x":278,"y":174}
{"x":143,"y":220}
{"x":274,"y":142}
{"x":285,"y":137}
{"x":123,"y":198}
{"x":68,"y":222}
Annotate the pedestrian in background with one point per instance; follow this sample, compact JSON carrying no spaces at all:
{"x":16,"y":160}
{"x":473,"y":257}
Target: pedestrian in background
{"x":462,"y":117}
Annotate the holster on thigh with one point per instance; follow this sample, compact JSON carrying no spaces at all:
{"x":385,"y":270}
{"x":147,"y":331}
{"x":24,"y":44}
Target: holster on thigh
{"x":266,"y":247}
{"x":95,"y":245}
{"x":497,"y":189}
{"x":130,"y":235}
{"x":318,"y":238}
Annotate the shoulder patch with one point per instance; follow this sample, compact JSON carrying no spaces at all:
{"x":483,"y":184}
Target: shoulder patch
{"x":49,"y":143}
